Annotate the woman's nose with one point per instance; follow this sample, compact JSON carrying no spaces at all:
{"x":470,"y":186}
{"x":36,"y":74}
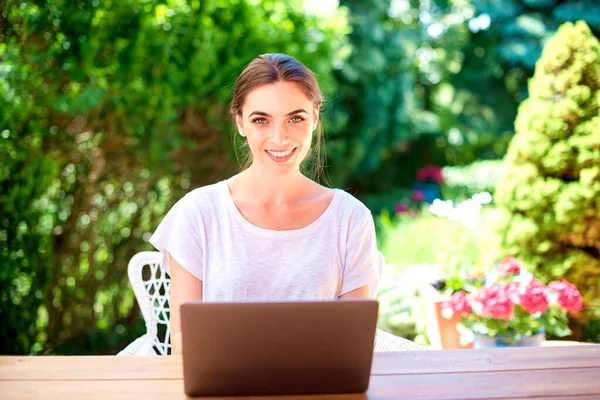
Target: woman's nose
{"x":279,"y":135}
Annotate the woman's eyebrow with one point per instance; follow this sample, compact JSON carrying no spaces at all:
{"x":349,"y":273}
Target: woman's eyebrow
{"x":264,"y":114}
{"x":298,"y":111}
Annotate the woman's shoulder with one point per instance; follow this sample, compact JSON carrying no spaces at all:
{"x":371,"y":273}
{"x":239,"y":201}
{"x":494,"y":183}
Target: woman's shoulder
{"x":203,"y":198}
{"x":350,"y":207}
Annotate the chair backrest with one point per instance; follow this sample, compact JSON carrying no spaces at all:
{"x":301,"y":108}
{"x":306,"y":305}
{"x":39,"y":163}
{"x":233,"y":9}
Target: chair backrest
{"x":151,"y":285}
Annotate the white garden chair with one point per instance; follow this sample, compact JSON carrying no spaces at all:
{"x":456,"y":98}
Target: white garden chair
{"x":151,"y":284}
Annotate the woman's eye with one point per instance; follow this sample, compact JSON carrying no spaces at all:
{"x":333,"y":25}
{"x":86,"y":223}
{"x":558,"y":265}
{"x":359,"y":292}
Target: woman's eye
{"x":296,"y":119}
{"x":259,"y":121}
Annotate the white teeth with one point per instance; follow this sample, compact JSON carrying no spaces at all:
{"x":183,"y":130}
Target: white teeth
{"x":280,"y":153}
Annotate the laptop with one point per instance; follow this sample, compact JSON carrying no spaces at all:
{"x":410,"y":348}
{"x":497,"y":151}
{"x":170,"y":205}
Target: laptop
{"x":278,"y":348}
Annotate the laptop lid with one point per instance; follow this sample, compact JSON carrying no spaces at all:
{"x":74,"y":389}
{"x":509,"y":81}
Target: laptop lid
{"x":277,"y":348}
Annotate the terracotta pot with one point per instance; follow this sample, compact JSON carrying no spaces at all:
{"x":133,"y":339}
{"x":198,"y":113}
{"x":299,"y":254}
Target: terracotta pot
{"x":441,"y":332}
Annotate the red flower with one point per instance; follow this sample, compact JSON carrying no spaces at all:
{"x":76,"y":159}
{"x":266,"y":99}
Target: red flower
{"x":436,"y":175}
{"x":422,"y":174}
{"x":430,"y":173}
{"x":496,"y":300}
{"x":533,"y":297}
{"x":417,"y":195}
{"x":569,"y":297}
{"x":509,"y":266}
{"x":401,"y":208}
{"x":458,"y":303}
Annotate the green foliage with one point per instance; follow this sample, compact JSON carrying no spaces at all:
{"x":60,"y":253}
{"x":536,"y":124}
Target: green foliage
{"x":26,"y":224}
{"x":462,"y":182}
{"x":110,"y":111}
{"x":373,"y":107}
{"x":461,"y":88}
{"x":478,"y":101}
{"x":551,"y":186}
{"x":525,"y":25}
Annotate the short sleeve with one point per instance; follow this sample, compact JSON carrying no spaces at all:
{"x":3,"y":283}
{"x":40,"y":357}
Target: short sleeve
{"x":364,"y":263}
{"x":179,"y":234}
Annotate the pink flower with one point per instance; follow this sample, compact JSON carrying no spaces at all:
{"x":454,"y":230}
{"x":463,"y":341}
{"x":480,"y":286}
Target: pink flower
{"x":458,"y":303}
{"x":509,"y":266}
{"x":401,"y":208}
{"x":436,"y":175}
{"x":569,"y":297}
{"x":496,"y":300}
{"x":533,"y":297}
{"x":422,"y":174}
{"x":417,"y":195}
{"x":430,"y":173}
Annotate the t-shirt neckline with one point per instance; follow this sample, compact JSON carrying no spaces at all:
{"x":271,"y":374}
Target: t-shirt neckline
{"x":272,"y":232}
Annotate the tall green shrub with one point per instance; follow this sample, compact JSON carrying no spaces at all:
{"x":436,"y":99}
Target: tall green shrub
{"x":550,"y":192}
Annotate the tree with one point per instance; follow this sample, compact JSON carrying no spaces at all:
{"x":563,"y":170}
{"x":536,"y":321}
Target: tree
{"x":550,"y":192}
{"x":374,"y":107}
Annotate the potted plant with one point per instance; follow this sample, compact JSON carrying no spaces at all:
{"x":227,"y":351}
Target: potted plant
{"x":508,"y":306}
{"x":441,"y":333}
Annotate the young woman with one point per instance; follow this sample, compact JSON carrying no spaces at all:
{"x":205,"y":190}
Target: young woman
{"x":269,"y":232}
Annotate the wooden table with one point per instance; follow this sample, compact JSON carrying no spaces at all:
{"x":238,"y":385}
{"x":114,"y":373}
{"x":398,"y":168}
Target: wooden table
{"x":549,"y":373}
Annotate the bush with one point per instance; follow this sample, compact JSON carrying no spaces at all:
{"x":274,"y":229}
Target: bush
{"x":550,"y":192}
{"x":109,"y":112}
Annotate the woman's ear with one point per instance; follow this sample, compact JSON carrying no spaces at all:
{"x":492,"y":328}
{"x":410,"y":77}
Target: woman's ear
{"x":238,"y":123}
{"x":315,"y":117}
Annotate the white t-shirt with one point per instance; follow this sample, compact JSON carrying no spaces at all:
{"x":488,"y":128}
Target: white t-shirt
{"x":238,"y":261}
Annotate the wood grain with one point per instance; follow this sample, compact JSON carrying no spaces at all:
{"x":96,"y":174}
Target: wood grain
{"x":575,"y":397}
{"x":39,"y":368}
{"x":576,"y":384}
{"x":51,"y":390}
{"x":489,"y":385}
{"x":157,"y":389}
{"x":410,"y":363}
{"x":549,"y":373}
{"x":479,"y":360}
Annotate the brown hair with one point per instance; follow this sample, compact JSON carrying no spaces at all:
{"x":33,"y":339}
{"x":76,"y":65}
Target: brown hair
{"x":271,"y":68}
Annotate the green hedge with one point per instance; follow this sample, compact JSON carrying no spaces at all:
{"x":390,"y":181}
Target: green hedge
{"x":110,"y":110}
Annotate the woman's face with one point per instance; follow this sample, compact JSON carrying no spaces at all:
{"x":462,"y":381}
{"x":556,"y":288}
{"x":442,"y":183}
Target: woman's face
{"x":278,"y":120}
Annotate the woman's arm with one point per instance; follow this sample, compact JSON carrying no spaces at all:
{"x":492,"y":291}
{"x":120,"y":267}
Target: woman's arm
{"x":363,"y":262}
{"x":184,"y":287}
{"x":363,"y":292}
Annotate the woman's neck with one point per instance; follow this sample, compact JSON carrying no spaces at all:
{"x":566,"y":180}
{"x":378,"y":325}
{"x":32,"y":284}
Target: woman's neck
{"x":269,"y":188}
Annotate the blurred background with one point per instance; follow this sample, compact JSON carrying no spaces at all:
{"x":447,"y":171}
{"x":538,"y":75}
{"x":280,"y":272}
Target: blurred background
{"x":111,"y":110}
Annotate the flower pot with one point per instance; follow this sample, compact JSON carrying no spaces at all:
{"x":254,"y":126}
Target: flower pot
{"x":441,"y":332}
{"x":487,"y":342}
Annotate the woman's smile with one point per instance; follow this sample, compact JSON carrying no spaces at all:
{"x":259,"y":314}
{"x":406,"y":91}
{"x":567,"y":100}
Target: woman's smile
{"x":282,"y":155}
